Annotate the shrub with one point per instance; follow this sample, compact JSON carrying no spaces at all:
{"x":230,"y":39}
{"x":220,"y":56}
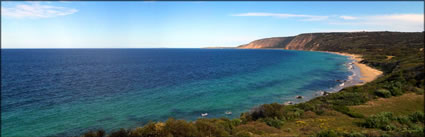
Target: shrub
{"x":236,"y":122}
{"x":98,"y":133}
{"x":418,"y":116}
{"x":259,"y":128}
{"x":346,"y":98}
{"x":395,"y":91}
{"x":149,"y":130}
{"x":403,"y":120}
{"x":268,"y":110}
{"x":413,"y":132}
{"x":354,"y":134}
{"x":389,"y":127}
{"x":120,"y":133}
{"x":346,"y":110}
{"x":327,"y":133}
{"x":380,"y":120}
{"x":180,"y":128}
{"x":383,"y":93}
{"x":243,"y":134}
{"x":207,"y":128}
{"x":274,"y":122}
{"x":419,"y":90}
{"x":274,"y":110}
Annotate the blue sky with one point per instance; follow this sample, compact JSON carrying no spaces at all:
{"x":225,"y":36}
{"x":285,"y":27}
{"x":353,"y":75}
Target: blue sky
{"x":191,"y":24}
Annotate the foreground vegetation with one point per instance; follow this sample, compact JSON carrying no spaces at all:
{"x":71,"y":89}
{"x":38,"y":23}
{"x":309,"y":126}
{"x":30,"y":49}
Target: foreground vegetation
{"x":357,"y":111}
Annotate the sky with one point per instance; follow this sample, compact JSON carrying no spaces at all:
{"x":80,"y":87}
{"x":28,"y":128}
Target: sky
{"x":149,"y":24}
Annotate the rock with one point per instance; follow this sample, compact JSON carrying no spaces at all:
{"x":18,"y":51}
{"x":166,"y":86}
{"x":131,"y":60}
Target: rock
{"x":288,"y":103}
{"x":325,"y":93}
{"x":299,"y":97}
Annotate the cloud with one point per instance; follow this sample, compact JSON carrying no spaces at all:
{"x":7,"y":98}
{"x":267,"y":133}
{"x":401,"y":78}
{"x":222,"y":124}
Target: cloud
{"x":414,"y":18}
{"x":397,"y":22}
{"x":283,"y":15}
{"x":348,"y":17}
{"x":393,"y":22}
{"x":36,"y":10}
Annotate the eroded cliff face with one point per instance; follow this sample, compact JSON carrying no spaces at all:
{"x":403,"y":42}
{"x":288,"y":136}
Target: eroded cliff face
{"x":300,"y":42}
{"x":277,"y":42}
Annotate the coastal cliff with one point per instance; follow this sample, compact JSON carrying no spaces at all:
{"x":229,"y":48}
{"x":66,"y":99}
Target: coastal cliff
{"x":340,"y":41}
{"x":300,"y":41}
{"x":276,"y":42}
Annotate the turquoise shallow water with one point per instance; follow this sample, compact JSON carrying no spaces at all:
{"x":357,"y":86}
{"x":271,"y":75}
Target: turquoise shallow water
{"x":64,"y":92}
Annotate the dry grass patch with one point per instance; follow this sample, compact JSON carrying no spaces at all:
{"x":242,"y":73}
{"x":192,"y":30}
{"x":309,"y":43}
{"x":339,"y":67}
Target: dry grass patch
{"x":257,"y":128}
{"x":312,"y":124}
{"x":400,"y":105}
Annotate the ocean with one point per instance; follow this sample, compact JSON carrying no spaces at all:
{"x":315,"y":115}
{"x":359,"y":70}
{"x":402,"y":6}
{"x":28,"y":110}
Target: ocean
{"x":66,"y":92}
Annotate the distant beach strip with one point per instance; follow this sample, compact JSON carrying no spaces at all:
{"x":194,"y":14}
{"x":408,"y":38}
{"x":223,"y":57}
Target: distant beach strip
{"x":362,"y":73}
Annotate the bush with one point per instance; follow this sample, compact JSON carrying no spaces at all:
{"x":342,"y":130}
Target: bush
{"x":378,"y":121}
{"x":389,"y":127}
{"x":395,"y":91}
{"x":327,"y":133}
{"x":414,"y":132}
{"x":268,"y":110}
{"x":403,"y":120}
{"x":98,"y":133}
{"x":207,"y":128}
{"x":417,"y":117}
{"x":354,"y":134}
{"x":274,"y":122}
{"x":259,"y":128}
{"x":243,"y":134}
{"x":346,"y":110}
{"x":419,"y":90}
{"x":346,"y":98}
{"x":275,"y":110}
{"x":383,"y":93}
{"x":180,"y":128}
{"x":149,"y":130}
{"x":120,"y":133}
{"x":236,"y":122}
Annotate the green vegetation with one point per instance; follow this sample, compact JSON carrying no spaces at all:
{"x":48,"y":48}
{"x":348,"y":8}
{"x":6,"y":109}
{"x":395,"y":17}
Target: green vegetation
{"x":409,"y":126}
{"x":392,"y":105}
{"x":383,"y":93}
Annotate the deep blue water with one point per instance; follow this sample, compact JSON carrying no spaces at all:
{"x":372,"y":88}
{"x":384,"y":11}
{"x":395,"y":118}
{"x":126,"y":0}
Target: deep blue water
{"x":69,"y":91}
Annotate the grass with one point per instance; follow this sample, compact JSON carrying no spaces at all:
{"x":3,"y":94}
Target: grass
{"x":310,"y":124}
{"x":399,"y":105}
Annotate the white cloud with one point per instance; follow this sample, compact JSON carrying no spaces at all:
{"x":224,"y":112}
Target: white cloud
{"x":283,"y":15}
{"x":35,"y":10}
{"x":414,"y":18}
{"x":391,"y":22}
{"x":348,"y":17}
{"x":394,"y":22}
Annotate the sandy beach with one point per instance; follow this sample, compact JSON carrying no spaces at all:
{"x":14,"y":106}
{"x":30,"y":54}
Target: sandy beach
{"x":367,"y":73}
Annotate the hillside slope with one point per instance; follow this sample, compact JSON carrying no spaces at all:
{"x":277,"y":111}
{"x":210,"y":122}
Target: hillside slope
{"x":348,"y":41}
{"x":277,"y":42}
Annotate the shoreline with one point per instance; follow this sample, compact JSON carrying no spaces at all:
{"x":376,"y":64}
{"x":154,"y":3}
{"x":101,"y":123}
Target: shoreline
{"x":367,"y":73}
{"x":362,"y":74}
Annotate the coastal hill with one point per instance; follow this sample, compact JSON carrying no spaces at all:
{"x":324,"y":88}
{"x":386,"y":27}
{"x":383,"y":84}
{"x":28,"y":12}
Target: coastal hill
{"x":277,"y":42}
{"x":336,"y":41}
{"x":391,"y":105}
